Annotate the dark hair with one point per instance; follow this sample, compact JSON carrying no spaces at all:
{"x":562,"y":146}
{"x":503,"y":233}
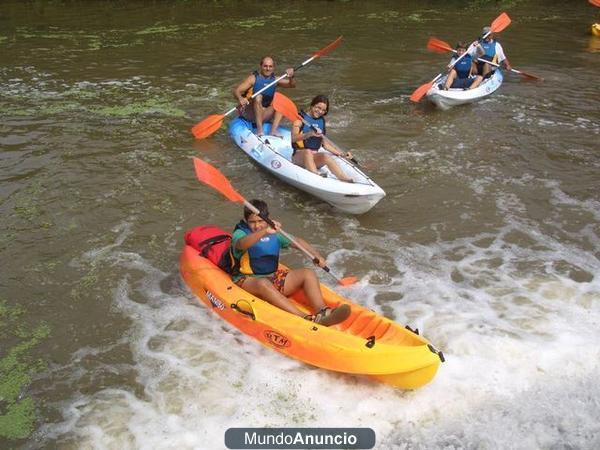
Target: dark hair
{"x":321,"y":99}
{"x":460,"y":44}
{"x":262,"y":207}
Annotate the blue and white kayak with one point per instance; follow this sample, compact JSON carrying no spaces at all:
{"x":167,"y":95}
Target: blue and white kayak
{"x":274,"y":154}
{"x":454,"y":97}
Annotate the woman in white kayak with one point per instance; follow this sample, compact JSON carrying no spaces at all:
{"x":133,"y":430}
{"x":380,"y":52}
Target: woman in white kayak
{"x":307,"y":139}
{"x":461,"y":75}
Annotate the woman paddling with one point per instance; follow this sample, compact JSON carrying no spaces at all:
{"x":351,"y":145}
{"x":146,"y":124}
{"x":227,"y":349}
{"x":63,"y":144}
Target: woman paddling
{"x":307,"y":139}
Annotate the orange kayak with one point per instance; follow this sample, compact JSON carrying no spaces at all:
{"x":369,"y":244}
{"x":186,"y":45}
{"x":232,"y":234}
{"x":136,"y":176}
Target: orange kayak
{"x":364,"y":344}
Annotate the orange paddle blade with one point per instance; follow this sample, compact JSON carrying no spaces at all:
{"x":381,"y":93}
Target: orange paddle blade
{"x":500,"y":23}
{"x":347,"y":281}
{"x":285,"y":106}
{"x":595,"y":3}
{"x":439,"y":46}
{"x":211,"y":176}
{"x":420,"y":92}
{"x":327,"y":49}
{"x":531,"y":76}
{"x":208,"y":126}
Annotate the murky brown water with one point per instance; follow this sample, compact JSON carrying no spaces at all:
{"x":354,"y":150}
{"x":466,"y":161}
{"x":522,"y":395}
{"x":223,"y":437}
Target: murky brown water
{"x":488,"y":239}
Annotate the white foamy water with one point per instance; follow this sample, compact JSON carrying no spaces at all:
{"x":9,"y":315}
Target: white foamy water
{"x":514,"y":310}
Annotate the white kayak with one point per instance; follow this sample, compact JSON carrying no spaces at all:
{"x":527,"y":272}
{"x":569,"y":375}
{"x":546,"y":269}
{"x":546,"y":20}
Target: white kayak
{"x":454,"y":97}
{"x":274,"y":154}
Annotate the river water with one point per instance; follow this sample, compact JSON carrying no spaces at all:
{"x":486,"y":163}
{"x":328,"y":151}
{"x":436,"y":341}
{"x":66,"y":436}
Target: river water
{"x":488,"y":240}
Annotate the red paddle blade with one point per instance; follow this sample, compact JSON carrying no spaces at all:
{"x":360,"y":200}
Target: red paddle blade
{"x":531,"y":76}
{"x":500,"y":23}
{"x":595,"y":3}
{"x":420,"y":92}
{"x":208,"y":126}
{"x":347,"y":281}
{"x":439,"y":46}
{"x":329,"y":48}
{"x":211,"y":176}
{"x":285,"y":106}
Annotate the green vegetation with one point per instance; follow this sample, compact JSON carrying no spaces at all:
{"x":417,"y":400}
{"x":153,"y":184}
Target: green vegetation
{"x":17,"y":410}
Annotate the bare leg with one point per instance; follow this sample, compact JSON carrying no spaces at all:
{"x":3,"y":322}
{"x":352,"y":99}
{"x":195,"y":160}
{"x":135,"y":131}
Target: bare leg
{"x":476,"y":82}
{"x":258,"y":114}
{"x":307,"y":280}
{"x":276,"y":119}
{"x":486,"y":70}
{"x":263,"y":288}
{"x":304,"y":158}
{"x":450,"y":80}
{"x":323,"y":159}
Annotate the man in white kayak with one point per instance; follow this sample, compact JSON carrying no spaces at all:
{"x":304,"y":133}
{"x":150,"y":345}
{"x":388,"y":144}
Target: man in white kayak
{"x":261,"y":109}
{"x":255,"y":248}
{"x":491,"y":50}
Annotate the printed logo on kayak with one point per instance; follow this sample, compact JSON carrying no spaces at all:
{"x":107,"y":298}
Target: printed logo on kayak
{"x":212,"y":298}
{"x":277,"y":339}
{"x":275,"y":164}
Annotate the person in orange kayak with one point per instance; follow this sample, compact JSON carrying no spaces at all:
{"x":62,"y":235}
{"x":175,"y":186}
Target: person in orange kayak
{"x":255,"y":248}
{"x":307,"y":139}
{"x":260,"y":109}
{"x":461,"y":74}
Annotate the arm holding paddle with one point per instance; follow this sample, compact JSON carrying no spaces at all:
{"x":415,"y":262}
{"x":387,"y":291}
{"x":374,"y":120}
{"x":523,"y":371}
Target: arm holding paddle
{"x":213,"y":122}
{"x":499,"y":24}
{"x":439,"y":46}
{"x":210,"y":176}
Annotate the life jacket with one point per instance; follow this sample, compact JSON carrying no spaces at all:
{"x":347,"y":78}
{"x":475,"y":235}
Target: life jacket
{"x":490,"y":50}
{"x":463,"y":67}
{"x":259,"y":83}
{"x":213,"y":243}
{"x":313,"y":142}
{"x":260,"y":259}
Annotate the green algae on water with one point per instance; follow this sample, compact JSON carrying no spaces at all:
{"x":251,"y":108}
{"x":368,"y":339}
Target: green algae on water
{"x":17,"y":410}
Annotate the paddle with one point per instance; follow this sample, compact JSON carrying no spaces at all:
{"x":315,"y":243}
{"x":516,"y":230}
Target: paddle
{"x":287,"y":107}
{"x":499,"y":24}
{"x":595,"y":3}
{"x":213,"y":122}
{"x":437,"y":45}
{"x":209,"y":175}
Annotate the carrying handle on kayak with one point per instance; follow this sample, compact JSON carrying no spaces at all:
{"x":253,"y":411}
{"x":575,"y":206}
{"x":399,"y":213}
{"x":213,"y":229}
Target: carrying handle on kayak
{"x":250,"y":313}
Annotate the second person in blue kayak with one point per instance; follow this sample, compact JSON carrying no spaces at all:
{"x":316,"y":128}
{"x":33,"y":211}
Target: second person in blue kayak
{"x":491,"y":50}
{"x":461,"y":76}
{"x":261,"y":110}
{"x":307,"y":139}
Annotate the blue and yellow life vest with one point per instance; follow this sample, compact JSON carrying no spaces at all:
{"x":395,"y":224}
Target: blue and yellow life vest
{"x":463,"y":67}
{"x":261,"y":82}
{"x":260,"y":259}
{"x":490,"y":50}
{"x":313,"y":142}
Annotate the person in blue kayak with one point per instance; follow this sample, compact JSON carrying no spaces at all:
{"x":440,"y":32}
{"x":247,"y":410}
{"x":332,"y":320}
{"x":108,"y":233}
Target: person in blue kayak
{"x":308,"y":139}
{"x":491,"y":50}
{"x":461,"y":75}
{"x":259,"y":109}
{"x":255,"y":248}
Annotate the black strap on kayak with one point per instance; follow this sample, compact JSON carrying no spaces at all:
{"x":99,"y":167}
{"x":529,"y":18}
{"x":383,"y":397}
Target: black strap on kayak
{"x":235,"y":307}
{"x":416,"y":330}
{"x":437,"y":352}
{"x":370,"y":342}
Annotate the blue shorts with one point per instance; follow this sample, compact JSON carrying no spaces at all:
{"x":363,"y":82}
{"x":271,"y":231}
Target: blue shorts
{"x":462,"y":83}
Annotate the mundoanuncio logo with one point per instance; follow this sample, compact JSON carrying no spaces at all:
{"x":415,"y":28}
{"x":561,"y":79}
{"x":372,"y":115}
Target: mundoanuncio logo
{"x":277,"y":339}
{"x":212,"y":298}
